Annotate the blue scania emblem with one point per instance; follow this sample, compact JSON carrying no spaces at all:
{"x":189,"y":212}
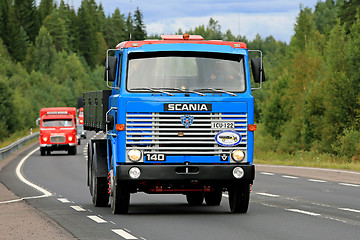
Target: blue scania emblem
{"x":187,"y":120}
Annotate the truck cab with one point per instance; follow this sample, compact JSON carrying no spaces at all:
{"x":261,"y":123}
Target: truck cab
{"x":179,"y":119}
{"x":57,"y":130}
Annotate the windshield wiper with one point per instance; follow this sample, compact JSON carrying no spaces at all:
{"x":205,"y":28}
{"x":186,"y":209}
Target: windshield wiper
{"x":185,"y":91}
{"x":216,"y":90}
{"x":154,"y":90}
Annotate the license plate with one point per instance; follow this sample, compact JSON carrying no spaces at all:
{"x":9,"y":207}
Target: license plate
{"x":223,"y":125}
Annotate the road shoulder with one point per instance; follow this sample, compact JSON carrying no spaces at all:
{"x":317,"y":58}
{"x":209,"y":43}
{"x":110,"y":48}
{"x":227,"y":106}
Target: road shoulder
{"x":19,"y":220}
{"x":334,"y":175}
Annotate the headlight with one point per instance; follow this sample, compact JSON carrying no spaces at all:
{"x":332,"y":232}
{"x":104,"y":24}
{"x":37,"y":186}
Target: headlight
{"x":238,"y":155}
{"x":134,"y":155}
{"x":45,"y":139}
{"x":70,"y":138}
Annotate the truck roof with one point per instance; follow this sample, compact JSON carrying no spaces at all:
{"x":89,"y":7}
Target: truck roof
{"x":186,"y":38}
{"x":58,"y":112}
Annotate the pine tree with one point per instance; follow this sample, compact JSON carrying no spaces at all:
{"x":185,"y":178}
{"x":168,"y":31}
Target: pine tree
{"x":4,"y":19}
{"x":45,"y":8}
{"x":27,"y":15}
{"x":57,"y":30}
{"x":86,"y":27}
{"x":117,"y":23}
{"x":139,"y":28}
{"x":44,"y":53}
{"x":129,"y":26}
{"x":16,"y":38}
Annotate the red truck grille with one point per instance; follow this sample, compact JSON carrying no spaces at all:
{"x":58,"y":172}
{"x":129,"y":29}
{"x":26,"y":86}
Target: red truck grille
{"x":57,"y":139}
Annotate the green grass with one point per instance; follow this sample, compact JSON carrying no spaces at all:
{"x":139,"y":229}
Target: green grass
{"x":307,"y":159}
{"x":16,"y":136}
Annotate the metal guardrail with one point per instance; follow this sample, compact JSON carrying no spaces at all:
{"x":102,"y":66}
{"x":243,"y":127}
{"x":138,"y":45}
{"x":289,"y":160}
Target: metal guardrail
{"x":16,"y":145}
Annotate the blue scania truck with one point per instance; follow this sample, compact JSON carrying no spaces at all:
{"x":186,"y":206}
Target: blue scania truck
{"x":178,"y":118}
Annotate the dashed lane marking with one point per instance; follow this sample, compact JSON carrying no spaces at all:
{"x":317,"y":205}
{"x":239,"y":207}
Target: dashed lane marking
{"x":316,"y":180}
{"x":268,"y":194}
{"x":123,"y":234}
{"x":63,"y":200}
{"x":97,"y":219}
{"x":267,"y":173}
{"x":78,"y":208}
{"x":350,"y":210}
{"x":291,"y":177}
{"x":349,"y":184}
{"x":303,"y":212}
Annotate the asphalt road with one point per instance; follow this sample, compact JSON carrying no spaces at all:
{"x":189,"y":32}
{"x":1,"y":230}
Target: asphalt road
{"x":281,"y":207}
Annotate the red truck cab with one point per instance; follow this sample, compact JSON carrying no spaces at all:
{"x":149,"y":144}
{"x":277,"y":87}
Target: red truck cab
{"x":58,"y":130}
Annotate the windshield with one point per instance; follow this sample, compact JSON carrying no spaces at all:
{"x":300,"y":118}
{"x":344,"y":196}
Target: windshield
{"x":186,"y":70}
{"x":57,"y":123}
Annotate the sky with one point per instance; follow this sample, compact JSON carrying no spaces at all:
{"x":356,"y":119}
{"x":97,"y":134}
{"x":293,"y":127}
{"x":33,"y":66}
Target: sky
{"x":244,"y":17}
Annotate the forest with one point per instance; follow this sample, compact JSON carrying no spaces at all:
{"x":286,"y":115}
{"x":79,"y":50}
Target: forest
{"x":50,"y":54}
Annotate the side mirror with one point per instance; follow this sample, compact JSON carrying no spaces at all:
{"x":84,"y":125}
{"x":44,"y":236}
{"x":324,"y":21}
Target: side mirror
{"x":110,"y":122}
{"x":110,"y":68}
{"x":38,"y":122}
{"x":257,"y":70}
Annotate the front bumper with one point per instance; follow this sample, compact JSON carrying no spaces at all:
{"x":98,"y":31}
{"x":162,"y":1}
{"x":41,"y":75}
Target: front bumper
{"x":186,"y":172}
{"x":57,"y":146}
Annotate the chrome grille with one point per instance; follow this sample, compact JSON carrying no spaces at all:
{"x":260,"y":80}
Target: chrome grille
{"x":162,"y":133}
{"x":57,"y":139}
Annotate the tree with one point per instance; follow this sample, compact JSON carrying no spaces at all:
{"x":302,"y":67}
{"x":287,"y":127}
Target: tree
{"x":44,"y":52}
{"x":16,"y":39}
{"x":139,"y":28}
{"x":57,"y":29}
{"x":4,"y":19}
{"x":86,"y":28}
{"x":45,"y":8}
{"x":129,"y":27}
{"x":325,"y":15}
{"x":27,"y":15}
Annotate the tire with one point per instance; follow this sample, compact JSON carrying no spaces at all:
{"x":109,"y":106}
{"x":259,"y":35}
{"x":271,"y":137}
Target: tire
{"x":42,"y":151}
{"x":195,"y":198}
{"x":98,"y":188}
{"x":239,"y":196}
{"x":72,"y":150}
{"x":120,"y":199}
{"x":48,"y":152}
{"x":89,"y":162}
{"x":213,"y":198}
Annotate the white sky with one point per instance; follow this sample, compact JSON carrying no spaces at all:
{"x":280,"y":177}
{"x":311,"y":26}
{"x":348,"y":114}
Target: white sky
{"x":247,"y":17}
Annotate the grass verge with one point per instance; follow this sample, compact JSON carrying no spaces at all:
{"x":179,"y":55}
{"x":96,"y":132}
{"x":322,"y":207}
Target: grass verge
{"x":16,"y":136}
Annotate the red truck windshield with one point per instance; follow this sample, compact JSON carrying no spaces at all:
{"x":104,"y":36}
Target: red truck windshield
{"x":57,"y":123}
{"x":190,"y":71}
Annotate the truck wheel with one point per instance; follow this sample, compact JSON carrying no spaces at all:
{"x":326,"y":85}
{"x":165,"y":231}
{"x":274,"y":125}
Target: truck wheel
{"x":72,"y":151}
{"x":120,"y":198}
{"x":100,"y":196}
{"x":213,"y":198}
{"x":42,"y":151}
{"x":239,"y":196}
{"x":195,"y":198}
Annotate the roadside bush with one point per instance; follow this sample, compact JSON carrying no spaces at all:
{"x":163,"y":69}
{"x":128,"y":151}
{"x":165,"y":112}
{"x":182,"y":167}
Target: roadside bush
{"x":348,"y":144}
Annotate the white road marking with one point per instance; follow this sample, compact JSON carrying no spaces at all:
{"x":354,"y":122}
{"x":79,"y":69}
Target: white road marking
{"x":291,"y":177}
{"x":225,"y":195}
{"x":123,"y":234}
{"x":267,"y":194}
{"x":267,"y":173}
{"x":349,"y":184}
{"x":349,"y":210}
{"x":24,"y":180}
{"x":316,"y":180}
{"x":63,"y":200}
{"x":97,"y":219}
{"x":303,"y":212}
{"x":78,"y":208}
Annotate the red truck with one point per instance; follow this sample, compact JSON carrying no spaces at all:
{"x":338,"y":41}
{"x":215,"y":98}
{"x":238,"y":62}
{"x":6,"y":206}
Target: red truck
{"x":57,"y":130}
